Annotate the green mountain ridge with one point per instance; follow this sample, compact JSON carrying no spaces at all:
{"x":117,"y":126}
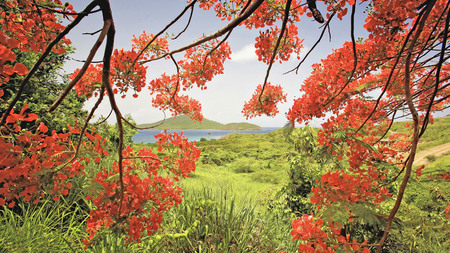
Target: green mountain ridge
{"x":183,"y":122}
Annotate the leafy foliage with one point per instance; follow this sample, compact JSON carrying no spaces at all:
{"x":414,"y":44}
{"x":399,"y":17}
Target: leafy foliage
{"x":403,"y":62}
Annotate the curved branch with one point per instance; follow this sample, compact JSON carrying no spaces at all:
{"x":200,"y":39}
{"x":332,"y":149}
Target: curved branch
{"x":105,"y":119}
{"x":86,"y":64}
{"x":108,"y":20}
{"x":392,"y":71}
{"x":91,"y":114}
{"x":178,"y":82}
{"x":188,"y":23}
{"x":388,"y":128}
{"x":438,"y":71}
{"x":144,"y":128}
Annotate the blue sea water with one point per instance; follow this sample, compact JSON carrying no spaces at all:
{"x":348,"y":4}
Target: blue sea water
{"x":147,"y":136}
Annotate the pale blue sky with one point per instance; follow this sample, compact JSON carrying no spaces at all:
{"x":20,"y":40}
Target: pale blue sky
{"x":226,"y":94}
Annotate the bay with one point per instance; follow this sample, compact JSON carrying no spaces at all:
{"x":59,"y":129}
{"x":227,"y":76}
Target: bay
{"x":148,"y":136}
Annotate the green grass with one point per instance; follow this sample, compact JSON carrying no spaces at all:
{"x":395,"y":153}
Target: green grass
{"x":226,"y":207}
{"x":46,"y":227}
{"x":425,"y":228}
{"x":241,"y":186}
{"x":250,"y":165}
{"x":213,"y":220}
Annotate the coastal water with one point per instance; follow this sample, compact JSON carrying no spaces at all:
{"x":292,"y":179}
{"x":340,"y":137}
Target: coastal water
{"x":147,"y":136}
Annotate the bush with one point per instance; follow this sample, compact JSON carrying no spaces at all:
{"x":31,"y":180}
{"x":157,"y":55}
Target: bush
{"x":431,"y":158}
{"x":245,"y":165}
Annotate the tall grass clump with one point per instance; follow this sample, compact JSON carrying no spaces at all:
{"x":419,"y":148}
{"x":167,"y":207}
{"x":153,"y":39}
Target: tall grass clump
{"x":48,"y":226}
{"x":213,"y":221}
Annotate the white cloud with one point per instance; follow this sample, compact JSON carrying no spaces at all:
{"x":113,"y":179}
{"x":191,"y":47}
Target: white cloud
{"x":247,"y":53}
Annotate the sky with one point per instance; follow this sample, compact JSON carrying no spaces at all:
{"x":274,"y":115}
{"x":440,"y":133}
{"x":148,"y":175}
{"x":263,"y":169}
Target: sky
{"x":226,"y":94}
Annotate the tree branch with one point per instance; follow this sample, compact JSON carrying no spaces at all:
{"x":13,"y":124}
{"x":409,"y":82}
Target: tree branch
{"x":415,"y":116}
{"x":86,"y":64}
{"x":252,"y":8}
{"x":275,"y":50}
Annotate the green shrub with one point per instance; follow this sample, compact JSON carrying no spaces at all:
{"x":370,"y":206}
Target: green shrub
{"x":431,"y":158}
{"x":266,"y":176}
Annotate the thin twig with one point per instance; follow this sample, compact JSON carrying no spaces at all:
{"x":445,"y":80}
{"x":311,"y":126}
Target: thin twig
{"x":105,"y":119}
{"x":235,"y":22}
{"x":144,"y":128}
{"x":86,"y":124}
{"x":314,"y":46}
{"x":163,"y":30}
{"x":355,"y":58}
{"x":275,"y":50}
{"x":188,"y":23}
{"x":93,"y":33}
{"x":388,"y":128}
{"x":141,"y":157}
{"x":438,"y":71}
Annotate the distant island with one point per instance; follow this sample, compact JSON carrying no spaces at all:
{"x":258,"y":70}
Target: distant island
{"x":184,"y":123}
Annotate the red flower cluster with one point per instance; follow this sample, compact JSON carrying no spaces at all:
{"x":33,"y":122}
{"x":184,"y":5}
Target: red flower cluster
{"x":202,"y":63}
{"x":34,"y":163}
{"x":290,"y":43}
{"x":312,"y":232}
{"x":146,"y":194}
{"x":125,"y":74}
{"x":158,"y":47}
{"x":265,"y":103}
{"x":25,"y":29}
{"x":340,"y":186}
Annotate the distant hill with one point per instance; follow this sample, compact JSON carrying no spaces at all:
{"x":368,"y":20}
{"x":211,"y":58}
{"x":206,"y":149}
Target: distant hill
{"x":184,"y":122}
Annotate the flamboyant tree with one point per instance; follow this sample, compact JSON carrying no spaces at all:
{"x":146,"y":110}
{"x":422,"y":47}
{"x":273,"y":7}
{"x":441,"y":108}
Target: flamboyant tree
{"x":358,"y":88}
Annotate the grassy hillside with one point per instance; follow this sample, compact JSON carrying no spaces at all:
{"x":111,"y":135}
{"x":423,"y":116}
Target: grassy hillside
{"x":247,"y":163}
{"x":436,"y":134}
{"x":184,"y":122}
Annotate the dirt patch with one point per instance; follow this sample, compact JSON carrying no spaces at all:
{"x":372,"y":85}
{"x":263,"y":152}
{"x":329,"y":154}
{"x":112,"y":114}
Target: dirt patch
{"x":437,"y":151}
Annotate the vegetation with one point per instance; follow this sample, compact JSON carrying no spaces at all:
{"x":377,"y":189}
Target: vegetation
{"x":346,"y":189}
{"x":243,"y":197}
{"x":183,"y":122}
